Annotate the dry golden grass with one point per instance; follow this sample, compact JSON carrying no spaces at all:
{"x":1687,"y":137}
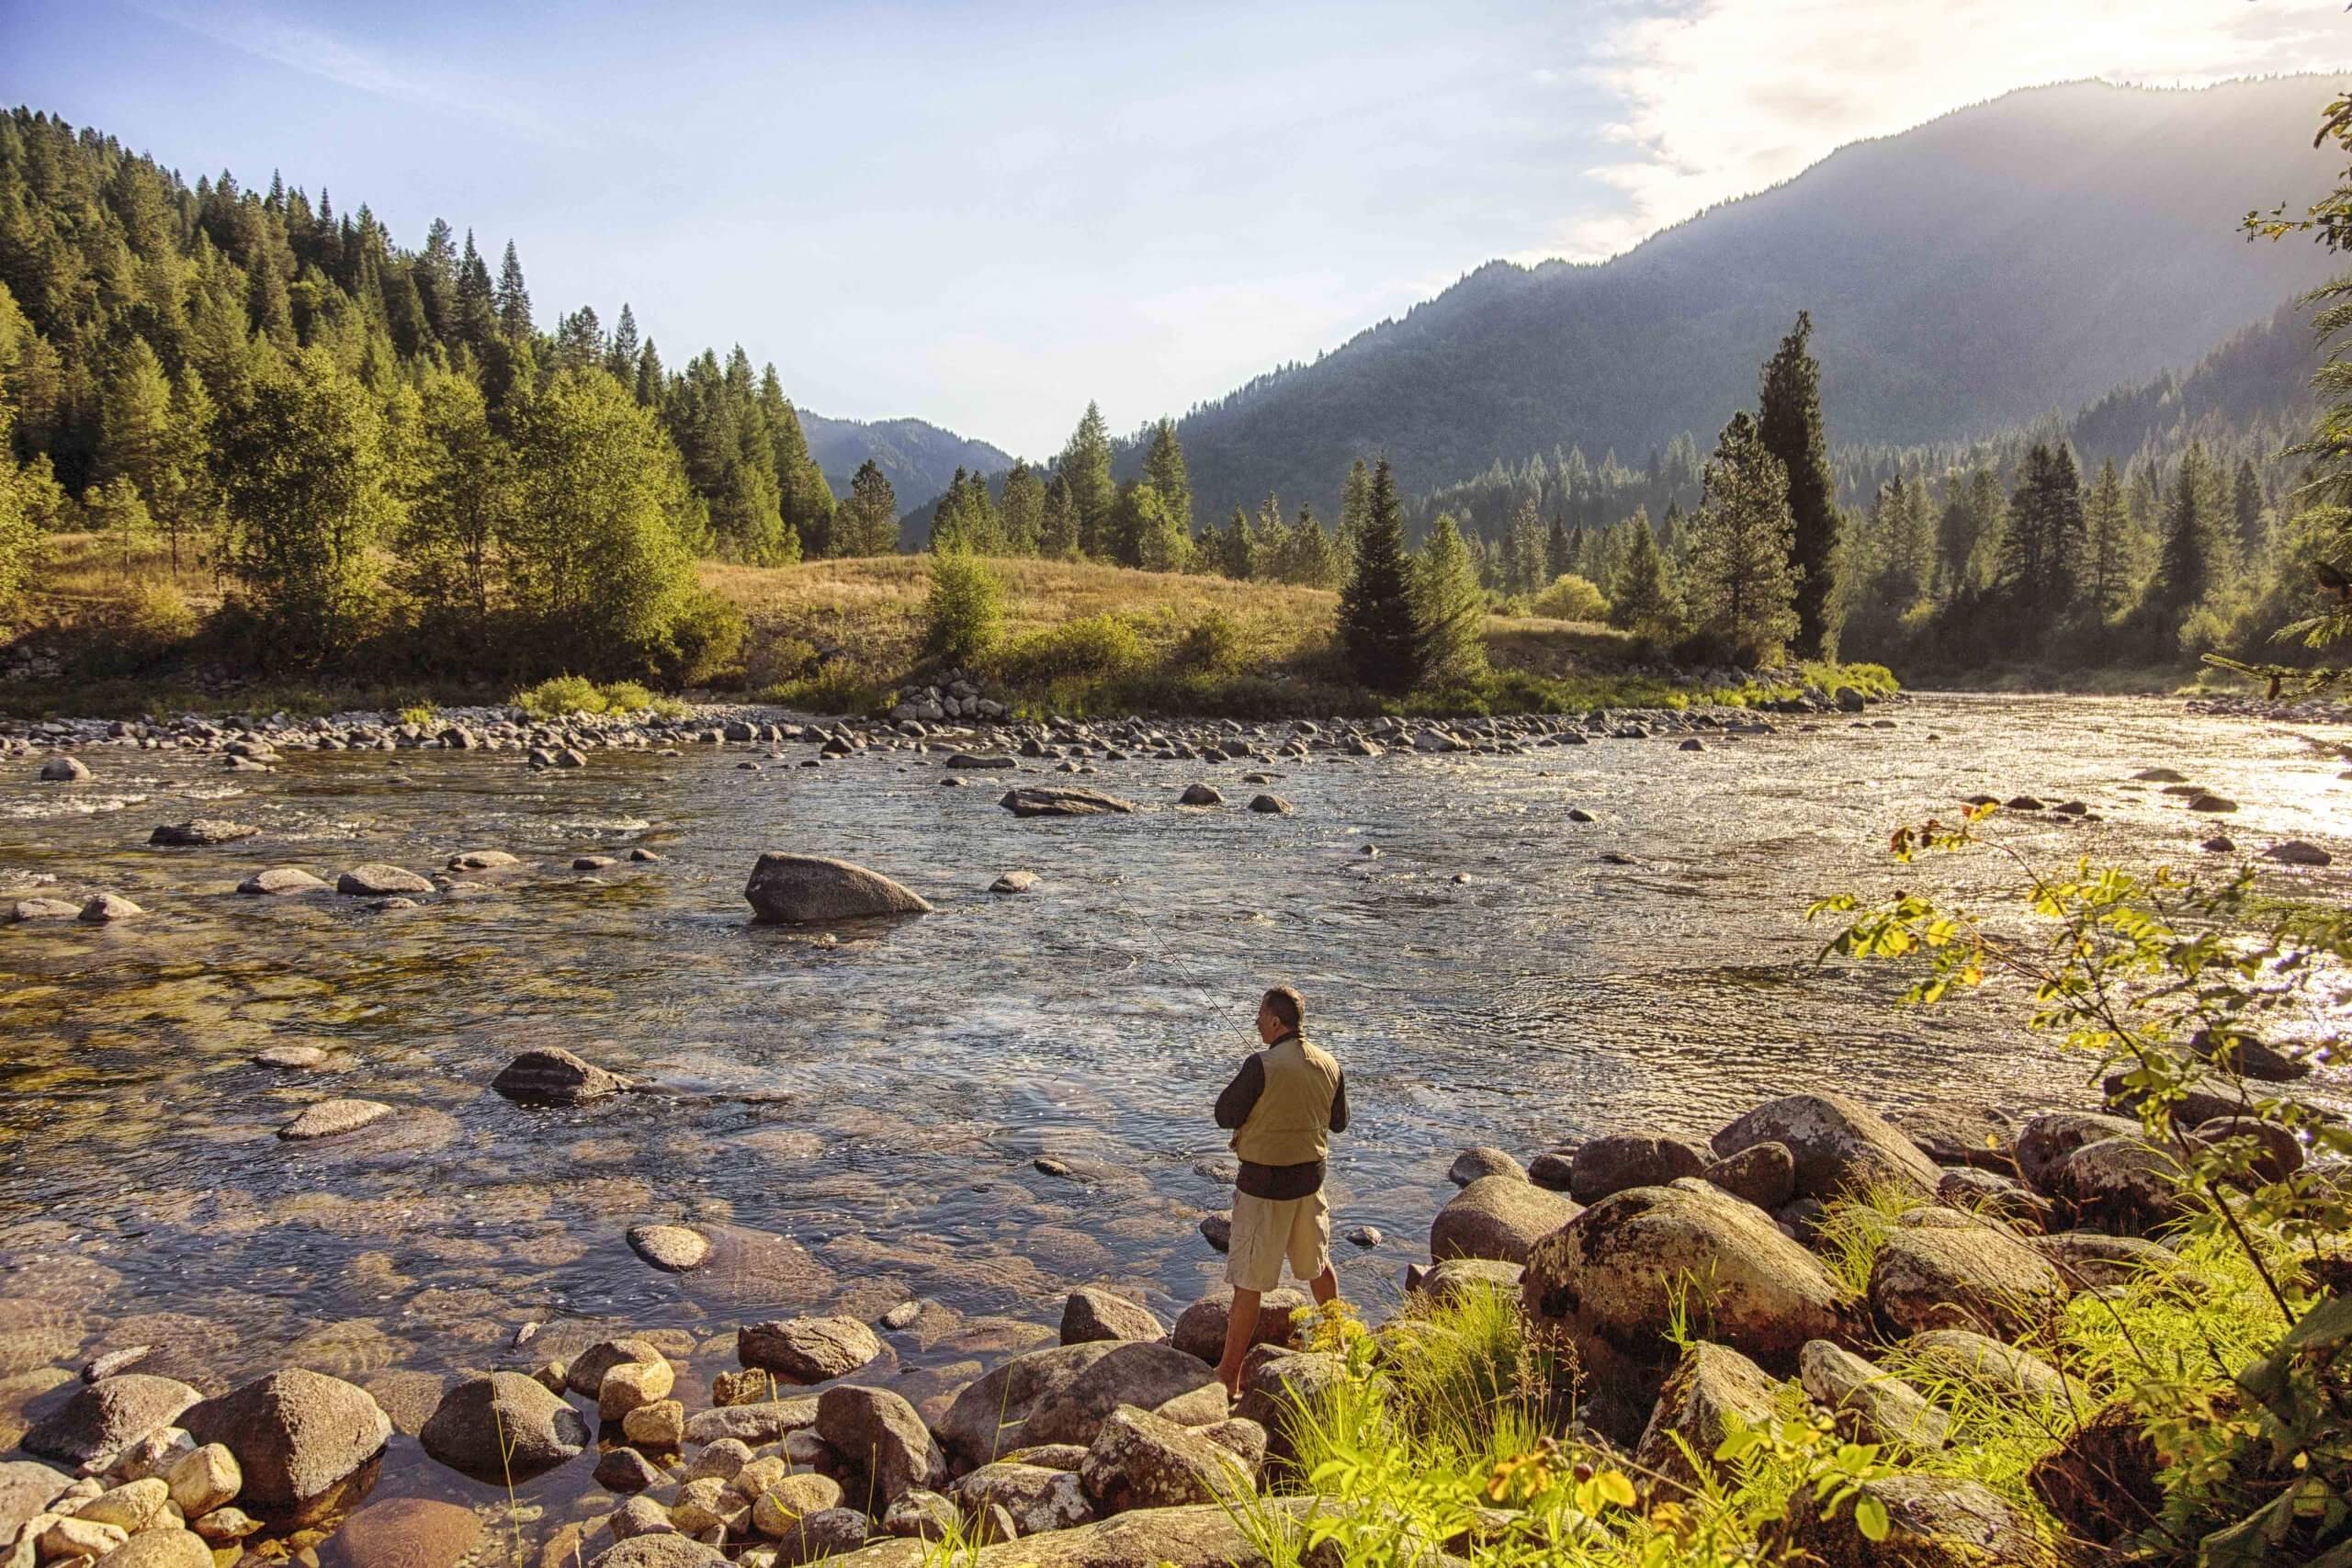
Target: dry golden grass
{"x":86,"y":577}
{"x":874,"y":607}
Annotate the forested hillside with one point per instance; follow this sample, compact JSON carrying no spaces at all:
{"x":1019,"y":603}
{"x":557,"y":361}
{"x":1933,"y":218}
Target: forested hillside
{"x":918,"y":458}
{"x":2013,"y":258}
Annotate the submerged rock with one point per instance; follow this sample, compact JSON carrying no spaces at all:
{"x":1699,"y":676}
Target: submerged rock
{"x":201,"y":832}
{"x":279,"y":881}
{"x":333,"y":1118}
{"x":673,"y":1249}
{"x":103,"y":908}
{"x":65,"y":770}
{"x":789,"y":889}
{"x":552,"y":1076}
{"x":1063,"y":800}
{"x":379,"y":882}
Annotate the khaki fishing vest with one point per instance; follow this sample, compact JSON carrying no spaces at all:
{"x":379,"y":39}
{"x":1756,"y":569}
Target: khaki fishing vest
{"x":1291,"y":1123}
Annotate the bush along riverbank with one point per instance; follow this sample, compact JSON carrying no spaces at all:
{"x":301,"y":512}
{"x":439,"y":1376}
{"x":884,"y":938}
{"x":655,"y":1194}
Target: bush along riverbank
{"x":2107,"y":1333}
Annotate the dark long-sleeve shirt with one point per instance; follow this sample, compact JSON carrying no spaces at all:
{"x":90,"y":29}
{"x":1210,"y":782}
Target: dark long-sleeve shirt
{"x":1274,"y":1181}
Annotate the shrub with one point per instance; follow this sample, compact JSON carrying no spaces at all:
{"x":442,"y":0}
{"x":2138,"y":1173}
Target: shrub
{"x":627,"y":696}
{"x":147,"y":625}
{"x":705,"y":642}
{"x":1214,"y":645}
{"x":560,"y":696}
{"x":961,"y":614}
{"x":834,"y":689}
{"x":419,"y":715}
{"x":1100,"y":646}
{"x":1571,"y":598}
{"x":773,"y":660}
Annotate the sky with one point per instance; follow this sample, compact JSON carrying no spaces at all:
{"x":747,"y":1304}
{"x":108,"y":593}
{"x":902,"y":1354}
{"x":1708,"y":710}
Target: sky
{"x":986,"y":215}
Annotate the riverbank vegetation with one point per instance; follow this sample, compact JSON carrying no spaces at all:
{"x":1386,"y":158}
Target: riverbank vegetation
{"x":2186,"y":1410}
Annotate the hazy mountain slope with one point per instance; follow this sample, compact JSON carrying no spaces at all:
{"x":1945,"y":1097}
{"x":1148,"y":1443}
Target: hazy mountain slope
{"x":2010,"y":258}
{"x":917,"y":458}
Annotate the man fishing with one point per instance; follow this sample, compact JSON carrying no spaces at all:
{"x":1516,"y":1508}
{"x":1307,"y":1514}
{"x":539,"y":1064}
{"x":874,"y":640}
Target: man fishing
{"x":1282,"y":1106}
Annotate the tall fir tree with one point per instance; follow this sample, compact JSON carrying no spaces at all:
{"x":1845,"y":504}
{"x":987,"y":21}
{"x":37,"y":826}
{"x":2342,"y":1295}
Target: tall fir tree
{"x":1163,"y":469}
{"x":1022,"y":509}
{"x":1642,"y":596}
{"x":1086,"y":465}
{"x":2108,"y":563}
{"x":1058,"y":530}
{"x":1789,"y":424}
{"x":1742,"y":579}
{"x":1449,"y":609}
{"x":867,"y":524}
{"x":513,"y":300}
{"x":1377,"y":621}
{"x":2041,"y":547}
{"x":2186,"y":572}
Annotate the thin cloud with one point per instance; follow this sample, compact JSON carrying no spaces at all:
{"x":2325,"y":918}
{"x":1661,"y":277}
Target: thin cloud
{"x":296,"y":45}
{"x":1727,"y":96}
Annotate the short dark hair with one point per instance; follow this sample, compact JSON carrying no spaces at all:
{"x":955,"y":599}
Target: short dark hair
{"x":1288,"y":1005}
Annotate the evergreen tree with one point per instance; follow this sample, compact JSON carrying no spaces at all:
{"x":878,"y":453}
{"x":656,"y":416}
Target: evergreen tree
{"x":1742,"y":582}
{"x":1449,"y":609}
{"x":1058,"y":531}
{"x":620,"y":354}
{"x":1527,"y":565}
{"x":867,"y":524}
{"x":1236,"y":551}
{"x":1378,"y":623}
{"x":1086,"y":465}
{"x":188,"y":500}
{"x":513,"y":300}
{"x":2185,"y":573}
{"x":596,"y":543}
{"x":2041,"y":547}
{"x":804,"y":497}
{"x":477,"y":299}
{"x":434,"y":278}
{"x":1642,"y":596}
{"x":118,"y":514}
{"x":1789,"y":424}
{"x":1355,"y":507}
{"x":21,"y":545}
{"x":304,"y":491}
{"x":1968,"y":535}
{"x":1163,"y":470}
{"x":1150,"y":536}
{"x":2108,"y":543}
{"x":1023,"y":510}
{"x":135,"y":442}
{"x":2246,"y":503}
{"x":1558,"y":559}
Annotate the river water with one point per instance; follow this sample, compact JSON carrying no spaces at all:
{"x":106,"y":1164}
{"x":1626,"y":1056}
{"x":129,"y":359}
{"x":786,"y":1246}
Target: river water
{"x":859,"y":1120}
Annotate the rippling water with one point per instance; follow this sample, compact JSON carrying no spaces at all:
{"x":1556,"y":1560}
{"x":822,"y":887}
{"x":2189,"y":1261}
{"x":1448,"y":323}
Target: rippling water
{"x":859,"y":1121}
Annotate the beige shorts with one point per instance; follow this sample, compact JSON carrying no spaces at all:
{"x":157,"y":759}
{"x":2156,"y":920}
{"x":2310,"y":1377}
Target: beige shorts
{"x":1267,"y":1230}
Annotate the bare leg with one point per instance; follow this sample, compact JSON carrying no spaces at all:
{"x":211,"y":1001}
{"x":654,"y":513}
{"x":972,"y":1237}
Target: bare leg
{"x":1326,"y":1286}
{"x":1240,"y":1325}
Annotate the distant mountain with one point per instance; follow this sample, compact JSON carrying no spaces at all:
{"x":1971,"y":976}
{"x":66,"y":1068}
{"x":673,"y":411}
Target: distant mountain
{"x":2021,"y":255}
{"x":917,"y":458}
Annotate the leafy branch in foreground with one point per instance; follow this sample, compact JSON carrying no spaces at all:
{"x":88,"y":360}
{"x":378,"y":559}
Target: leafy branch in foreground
{"x":2176,"y":989}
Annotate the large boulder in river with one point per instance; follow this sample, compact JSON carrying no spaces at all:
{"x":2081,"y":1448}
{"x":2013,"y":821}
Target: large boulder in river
{"x":1839,"y":1144}
{"x":1134,"y":1373}
{"x":1138,"y":1460}
{"x":807,"y":1349}
{"x":201,"y":832}
{"x":2123,"y":1184}
{"x":1200,"y":1328}
{"x":883,"y":1442}
{"x":1498,"y":1217}
{"x":1063,"y":800}
{"x":552,"y":1076}
{"x":379,"y":881}
{"x":989,"y":1417}
{"x":296,"y":1433}
{"x":1095,"y":1313}
{"x":1609,"y":1279}
{"x":1971,"y":1276}
{"x":1631,"y":1159}
{"x":2046,"y":1141}
{"x":804,"y":889}
{"x":504,"y":1428}
{"x":108,"y":1416}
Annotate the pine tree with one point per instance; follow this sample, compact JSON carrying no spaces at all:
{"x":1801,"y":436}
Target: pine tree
{"x":1558,"y":559}
{"x":477,"y":299}
{"x":1150,"y":533}
{"x":1968,"y":535}
{"x":135,"y":439}
{"x":1789,"y":424}
{"x":1449,"y":609}
{"x":2042,"y":548}
{"x":868,"y":524}
{"x":1057,"y":533}
{"x":1527,"y":554}
{"x":620,"y":354}
{"x":1377,"y":624}
{"x":1641,"y":597}
{"x":1163,"y":469}
{"x":1023,"y":510}
{"x":2246,"y":502}
{"x":1742,"y":582}
{"x":513,"y":300}
{"x":2108,"y":565}
{"x":118,"y":513}
{"x":1237,"y":547}
{"x":1355,"y":507}
{"x":188,"y":500}
{"x":2185,"y":573}
{"x":1086,"y":465}
{"x":21,"y":545}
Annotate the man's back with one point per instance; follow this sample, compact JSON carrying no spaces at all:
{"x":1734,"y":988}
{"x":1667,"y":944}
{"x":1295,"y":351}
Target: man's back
{"x":1291,"y":1121}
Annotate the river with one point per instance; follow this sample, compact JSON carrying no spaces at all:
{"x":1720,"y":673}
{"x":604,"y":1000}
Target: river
{"x":866,"y":1112}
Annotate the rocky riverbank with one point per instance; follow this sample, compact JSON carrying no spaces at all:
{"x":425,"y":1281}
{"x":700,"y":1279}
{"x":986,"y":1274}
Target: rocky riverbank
{"x":1117,"y":1444}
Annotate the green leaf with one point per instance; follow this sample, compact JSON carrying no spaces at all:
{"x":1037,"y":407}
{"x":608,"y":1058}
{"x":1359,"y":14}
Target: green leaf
{"x":1869,"y":1517}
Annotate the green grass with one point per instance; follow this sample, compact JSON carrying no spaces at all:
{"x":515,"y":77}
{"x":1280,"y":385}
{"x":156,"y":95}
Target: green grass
{"x":1857,"y":1226}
